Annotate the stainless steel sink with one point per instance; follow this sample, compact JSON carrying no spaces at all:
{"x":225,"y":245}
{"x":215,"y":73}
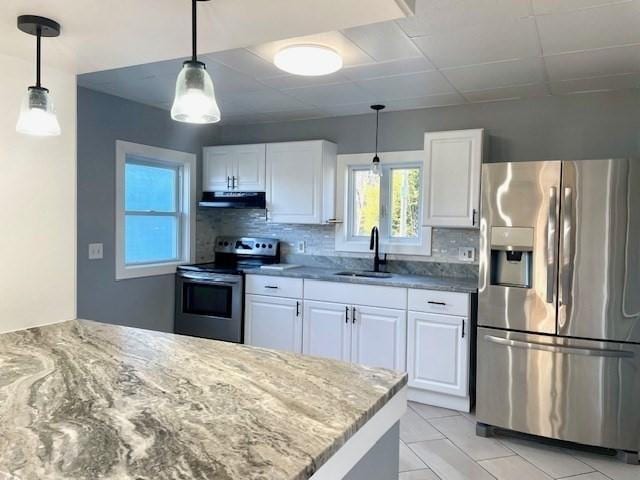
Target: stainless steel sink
{"x":364,"y":274}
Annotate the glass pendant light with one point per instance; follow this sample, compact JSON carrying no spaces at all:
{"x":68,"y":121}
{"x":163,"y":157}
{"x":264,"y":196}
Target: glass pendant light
{"x":195,"y":99}
{"x":376,"y":169}
{"x":37,"y":113}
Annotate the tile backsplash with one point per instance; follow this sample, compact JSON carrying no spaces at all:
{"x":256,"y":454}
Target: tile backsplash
{"x":320,"y":244}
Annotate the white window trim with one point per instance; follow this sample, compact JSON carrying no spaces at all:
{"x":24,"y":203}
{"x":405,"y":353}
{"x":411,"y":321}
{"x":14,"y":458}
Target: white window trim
{"x":389,"y":159}
{"x":187,"y":163}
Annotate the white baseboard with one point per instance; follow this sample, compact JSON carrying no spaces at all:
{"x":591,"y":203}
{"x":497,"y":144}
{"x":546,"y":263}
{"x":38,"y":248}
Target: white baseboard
{"x":462,"y":404}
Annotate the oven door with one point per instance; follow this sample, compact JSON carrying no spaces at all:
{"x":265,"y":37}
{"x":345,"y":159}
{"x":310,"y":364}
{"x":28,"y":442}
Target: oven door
{"x":209,"y":306}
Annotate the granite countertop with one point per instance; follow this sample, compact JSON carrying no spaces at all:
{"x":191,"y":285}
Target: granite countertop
{"x":450,"y":284}
{"x":85,"y":400}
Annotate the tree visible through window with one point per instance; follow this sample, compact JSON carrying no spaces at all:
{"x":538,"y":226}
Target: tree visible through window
{"x":405,"y":202}
{"x":366,"y":208}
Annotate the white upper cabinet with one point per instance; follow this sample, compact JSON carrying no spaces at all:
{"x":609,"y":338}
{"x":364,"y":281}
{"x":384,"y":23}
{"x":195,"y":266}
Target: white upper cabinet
{"x":239,"y":168}
{"x":301,"y":178}
{"x":453,"y":161}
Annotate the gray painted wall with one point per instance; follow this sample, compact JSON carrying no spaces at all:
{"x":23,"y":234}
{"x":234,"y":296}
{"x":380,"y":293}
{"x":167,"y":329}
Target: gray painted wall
{"x":564,"y":127}
{"x":103,"y":119}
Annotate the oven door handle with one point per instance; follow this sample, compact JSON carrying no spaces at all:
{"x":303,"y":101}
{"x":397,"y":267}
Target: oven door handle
{"x":209,"y":281}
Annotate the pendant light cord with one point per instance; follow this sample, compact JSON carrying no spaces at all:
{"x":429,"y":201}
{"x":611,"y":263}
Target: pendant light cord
{"x":38,"y":38}
{"x":194,"y":30}
{"x":377,"y":123}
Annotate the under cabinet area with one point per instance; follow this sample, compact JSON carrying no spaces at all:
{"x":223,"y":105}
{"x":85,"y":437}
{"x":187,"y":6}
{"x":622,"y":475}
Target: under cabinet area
{"x":238,"y":168}
{"x":423,"y":332}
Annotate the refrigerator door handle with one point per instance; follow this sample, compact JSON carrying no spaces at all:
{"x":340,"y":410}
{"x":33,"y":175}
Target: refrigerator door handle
{"x":567,"y":232}
{"x":552,"y":222}
{"x":589,"y":352}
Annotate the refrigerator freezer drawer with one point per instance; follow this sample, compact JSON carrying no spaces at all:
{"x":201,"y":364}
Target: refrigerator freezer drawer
{"x":577,"y":390}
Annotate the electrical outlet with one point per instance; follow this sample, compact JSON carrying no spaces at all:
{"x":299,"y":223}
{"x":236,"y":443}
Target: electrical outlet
{"x":302,"y":245}
{"x":466,"y":254}
{"x":95,"y":251}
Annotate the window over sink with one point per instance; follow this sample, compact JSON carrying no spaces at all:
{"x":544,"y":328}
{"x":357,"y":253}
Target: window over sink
{"x":392,"y":202}
{"x":155,"y":194}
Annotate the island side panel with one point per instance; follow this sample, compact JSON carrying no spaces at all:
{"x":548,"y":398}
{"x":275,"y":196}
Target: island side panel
{"x":382,"y":461}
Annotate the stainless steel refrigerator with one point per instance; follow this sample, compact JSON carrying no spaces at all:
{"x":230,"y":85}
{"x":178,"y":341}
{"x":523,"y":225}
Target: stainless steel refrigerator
{"x":558,"y":339}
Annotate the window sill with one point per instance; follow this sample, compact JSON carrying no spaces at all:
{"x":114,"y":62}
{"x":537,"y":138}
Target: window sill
{"x":150,"y":270}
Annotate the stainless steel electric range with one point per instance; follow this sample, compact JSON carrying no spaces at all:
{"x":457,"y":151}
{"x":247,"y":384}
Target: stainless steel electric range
{"x":209,"y":296}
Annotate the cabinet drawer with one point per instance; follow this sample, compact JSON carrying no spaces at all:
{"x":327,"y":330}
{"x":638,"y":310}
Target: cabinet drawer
{"x":274,"y":286}
{"x":353,"y":294}
{"x":432,"y":301}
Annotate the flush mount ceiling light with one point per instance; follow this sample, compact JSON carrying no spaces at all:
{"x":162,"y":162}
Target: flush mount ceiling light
{"x":308,"y":60}
{"x":195,"y":99}
{"x":37,"y":114}
{"x":375,"y":163}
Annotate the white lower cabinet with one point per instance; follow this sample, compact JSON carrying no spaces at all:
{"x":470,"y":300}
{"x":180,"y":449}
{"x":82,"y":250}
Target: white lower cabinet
{"x":367,"y":335}
{"x":438,"y":353}
{"x":379,"y":337}
{"x":326,"y":330}
{"x":273,"y":322}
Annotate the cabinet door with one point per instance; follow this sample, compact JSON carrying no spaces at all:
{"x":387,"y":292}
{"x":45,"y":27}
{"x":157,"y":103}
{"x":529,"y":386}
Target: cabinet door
{"x":294,"y":182}
{"x":379,"y":337}
{"x":452,"y":178}
{"x":249,"y":168}
{"x":438,"y":353}
{"x":272,"y":322}
{"x":326,"y":330}
{"x":217,"y":168}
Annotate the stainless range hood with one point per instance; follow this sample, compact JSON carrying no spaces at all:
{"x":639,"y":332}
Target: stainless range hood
{"x":233,"y":200}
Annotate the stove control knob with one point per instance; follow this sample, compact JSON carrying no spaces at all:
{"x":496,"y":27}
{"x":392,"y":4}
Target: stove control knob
{"x":270,"y":246}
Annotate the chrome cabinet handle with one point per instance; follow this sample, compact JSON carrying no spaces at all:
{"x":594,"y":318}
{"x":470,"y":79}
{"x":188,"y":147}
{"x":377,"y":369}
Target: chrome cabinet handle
{"x":297,"y":309}
{"x":436,"y":303}
{"x":589,"y":352}
{"x":567,"y":231}
{"x":473,"y":217}
{"x":274,"y":287}
{"x":346,"y":314}
{"x":353,"y":314}
{"x":228,"y":181}
{"x":463,"y":322}
{"x":333,"y":221}
{"x":552,"y":221}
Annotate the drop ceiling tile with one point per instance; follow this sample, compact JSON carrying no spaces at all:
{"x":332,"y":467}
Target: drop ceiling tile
{"x":282,"y":82}
{"x":607,"y":26}
{"x":351,"y":53}
{"x":337,"y":94}
{"x":246,"y":62}
{"x":407,"y":86}
{"x":228,"y":80}
{"x":545,"y":7}
{"x":445,"y":16}
{"x":426,"y":102}
{"x":596,"y":84}
{"x":593,"y":63}
{"x":507,"y":93}
{"x":496,"y":74}
{"x":304,"y":114}
{"x":351,"y":109}
{"x":383,"y":41}
{"x":481,"y":43}
{"x":387,"y":69}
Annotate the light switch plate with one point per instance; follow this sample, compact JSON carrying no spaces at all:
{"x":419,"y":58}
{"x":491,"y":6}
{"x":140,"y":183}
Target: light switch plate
{"x":301,"y":246}
{"x":95,"y":251}
{"x":466,"y":254}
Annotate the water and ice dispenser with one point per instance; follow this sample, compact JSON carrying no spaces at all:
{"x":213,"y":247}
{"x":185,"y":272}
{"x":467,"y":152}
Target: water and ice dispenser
{"x":511,"y":256}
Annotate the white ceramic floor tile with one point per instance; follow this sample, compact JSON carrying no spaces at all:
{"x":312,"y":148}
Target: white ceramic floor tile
{"x":428,"y":411}
{"x":448,"y":462}
{"x":418,"y":475}
{"x":612,"y":467}
{"x":462,"y":432}
{"x":414,"y":428}
{"x":513,"y":468}
{"x":554,"y":461}
{"x":409,"y":460}
{"x":585,"y":476}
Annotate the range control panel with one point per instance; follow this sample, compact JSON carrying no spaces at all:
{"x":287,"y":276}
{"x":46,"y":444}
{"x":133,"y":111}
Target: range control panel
{"x":247,"y":246}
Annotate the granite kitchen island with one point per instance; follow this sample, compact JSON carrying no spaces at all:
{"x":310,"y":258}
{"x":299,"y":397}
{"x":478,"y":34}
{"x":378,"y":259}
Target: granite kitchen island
{"x":84,"y":400}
